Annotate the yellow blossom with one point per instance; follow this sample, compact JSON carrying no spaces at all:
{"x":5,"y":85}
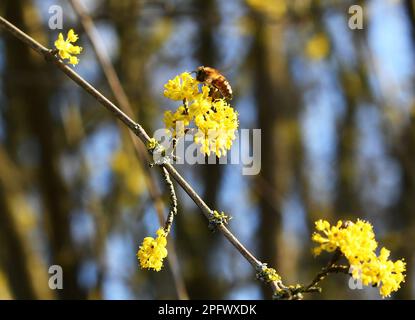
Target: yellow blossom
{"x":183,"y":86}
{"x":151,"y":144}
{"x":271,"y":274}
{"x":357,"y":243}
{"x":66,"y":49}
{"x":219,"y":218}
{"x":153,"y":251}
{"x":215,"y":120}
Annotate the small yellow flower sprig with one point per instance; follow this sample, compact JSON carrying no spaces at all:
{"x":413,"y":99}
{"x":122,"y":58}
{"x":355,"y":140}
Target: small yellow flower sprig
{"x":152,"y":144}
{"x":153,"y":251}
{"x":266,"y":274}
{"x":356,"y":241}
{"x":217,"y":218}
{"x":66,"y":49}
{"x":215,"y":120}
{"x":160,"y":154}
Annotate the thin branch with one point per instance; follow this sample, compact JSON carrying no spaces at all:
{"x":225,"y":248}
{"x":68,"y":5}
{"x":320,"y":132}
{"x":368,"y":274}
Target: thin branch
{"x":173,"y":201}
{"x":296,"y":292}
{"x":324,"y":273}
{"x":137,"y":130}
{"x":125,"y":105}
{"x":331,"y":267}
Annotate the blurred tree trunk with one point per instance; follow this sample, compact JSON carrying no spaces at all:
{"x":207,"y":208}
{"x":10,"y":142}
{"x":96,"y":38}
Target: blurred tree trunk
{"x":405,"y":207}
{"x":136,"y":46}
{"x":13,"y":251}
{"x":277,"y":107}
{"x":354,"y":81}
{"x":345,"y":203}
{"x":32,"y":94}
{"x":404,"y":151}
{"x":27,"y":273}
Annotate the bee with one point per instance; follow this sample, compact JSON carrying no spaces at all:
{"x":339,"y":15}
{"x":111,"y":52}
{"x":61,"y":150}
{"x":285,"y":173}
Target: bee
{"x":215,"y":79}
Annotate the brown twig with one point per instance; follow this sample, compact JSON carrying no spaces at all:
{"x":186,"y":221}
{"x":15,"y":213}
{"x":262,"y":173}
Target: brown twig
{"x":173,"y":200}
{"x":330,"y":268}
{"x":296,"y":292}
{"x":325,"y":272}
{"x":138,"y":131}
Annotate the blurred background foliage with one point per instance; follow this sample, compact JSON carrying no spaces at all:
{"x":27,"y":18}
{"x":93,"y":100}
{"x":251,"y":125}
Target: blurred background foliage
{"x":337,"y":112}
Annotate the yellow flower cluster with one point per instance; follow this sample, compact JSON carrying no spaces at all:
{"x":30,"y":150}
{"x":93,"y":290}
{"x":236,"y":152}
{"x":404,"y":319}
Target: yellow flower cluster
{"x":216,"y":121}
{"x":153,"y":251}
{"x":357,"y":243}
{"x":66,"y":49}
{"x":271,"y":274}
